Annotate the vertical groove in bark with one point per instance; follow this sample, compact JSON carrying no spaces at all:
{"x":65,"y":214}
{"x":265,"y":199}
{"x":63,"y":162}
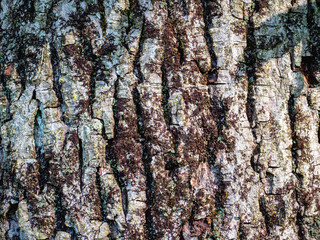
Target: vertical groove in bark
{"x":110,"y":157}
{"x":250,"y":61}
{"x":21,"y":67}
{"x":38,"y":138}
{"x":250,"y":57}
{"x":13,"y":220}
{"x":99,"y":188}
{"x":56,"y":71}
{"x":165,"y":98}
{"x":146,"y":164}
{"x":93,"y":83}
{"x":208,"y":14}
{"x":294,"y":152}
{"x":80,"y":153}
{"x":150,"y":233}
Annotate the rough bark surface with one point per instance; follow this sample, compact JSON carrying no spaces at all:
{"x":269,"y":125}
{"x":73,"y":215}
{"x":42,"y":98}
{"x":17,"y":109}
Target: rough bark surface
{"x":147,"y":119}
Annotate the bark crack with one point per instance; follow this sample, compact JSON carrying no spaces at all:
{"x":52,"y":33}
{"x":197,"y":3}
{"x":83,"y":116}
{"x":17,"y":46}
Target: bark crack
{"x":40,"y":156}
{"x":81,"y":161}
{"x":110,"y":153}
{"x":56,"y":72}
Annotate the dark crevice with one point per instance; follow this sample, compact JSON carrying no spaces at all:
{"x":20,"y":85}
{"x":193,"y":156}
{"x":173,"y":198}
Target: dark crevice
{"x":309,"y":102}
{"x":221,"y":193}
{"x":80,"y":163}
{"x":169,"y":6}
{"x":150,"y":231}
{"x":208,"y":15}
{"x":137,"y":70}
{"x":282,"y":214}
{"x":133,"y":14}
{"x":110,"y":155}
{"x":136,"y":63}
{"x":171,"y":167}
{"x":56,"y":72}
{"x":242,"y":234}
{"x":181,"y":235}
{"x":204,"y":73}
{"x":121,"y":184}
{"x":250,"y":56}
{"x":54,"y":56}
{"x":168,"y":66}
{"x":254,"y":161}
{"x":299,"y":223}
{"x":314,"y":29}
{"x":300,"y":197}
{"x":93,"y":78}
{"x":263,"y":210}
{"x":114,"y":229}
{"x":40,"y":156}
{"x":9,"y":115}
{"x":150,"y":228}
{"x":308,"y":69}
{"x":270,"y":180}
{"x":21,"y":68}
{"x":291,"y":113}
{"x":73,"y":233}
{"x":101,"y":10}
{"x":250,"y":62}
{"x":185,"y":7}
{"x":3,"y":171}
{"x":181,"y":48}
{"x":178,"y":34}
{"x":60,"y":213}
{"x":165,"y":98}
{"x":130,"y":15}
{"x":11,"y":216}
{"x":291,"y":41}
{"x":319,"y":128}
{"x":103,"y":207}
{"x":103,"y":134}
{"x":29,"y":8}
{"x":219,"y":111}
{"x":65,"y":142}
{"x":50,"y":17}
{"x":294,"y":149}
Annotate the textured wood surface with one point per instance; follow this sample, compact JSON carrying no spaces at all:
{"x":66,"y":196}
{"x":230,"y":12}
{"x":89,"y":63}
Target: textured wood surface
{"x":145,"y":119}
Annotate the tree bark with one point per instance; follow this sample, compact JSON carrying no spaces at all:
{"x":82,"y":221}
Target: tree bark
{"x":147,"y":119}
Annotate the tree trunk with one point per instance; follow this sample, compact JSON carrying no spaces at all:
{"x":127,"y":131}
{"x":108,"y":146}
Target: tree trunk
{"x":145,"y":119}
